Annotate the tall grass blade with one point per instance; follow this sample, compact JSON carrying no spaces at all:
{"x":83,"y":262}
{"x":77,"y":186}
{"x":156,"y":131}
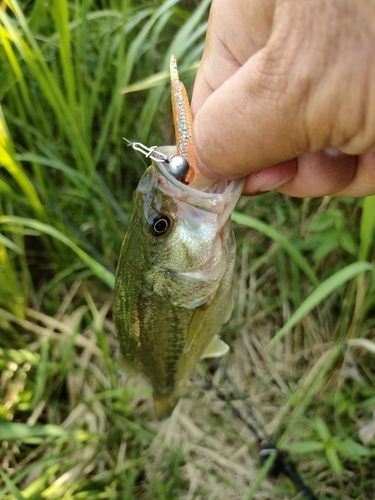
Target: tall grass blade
{"x":252,"y":222}
{"x":60,"y":13}
{"x":11,"y":486}
{"x":8,"y":161}
{"x":308,"y":388}
{"x":367,"y":227}
{"x":189,"y":32}
{"x":48,"y":83}
{"x":100,"y":271}
{"x":363,"y":343}
{"x":323,"y":291}
{"x":160,"y":78}
{"x":5,"y":38}
{"x":10,"y":244}
{"x":260,"y":477}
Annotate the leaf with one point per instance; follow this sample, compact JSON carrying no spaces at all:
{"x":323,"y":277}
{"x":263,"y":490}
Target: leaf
{"x":324,"y":249}
{"x":334,"y":460}
{"x":353,"y":450}
{"x":13,"y":431}
{"x":60,"y":14}
{"x":322,"y":429}
{"x":322,"y":223}
{"x":347,"y":242}
{"x":303,"y":447}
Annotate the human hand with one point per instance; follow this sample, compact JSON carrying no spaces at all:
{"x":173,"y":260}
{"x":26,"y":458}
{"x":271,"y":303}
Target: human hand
{"x":280,"y":82}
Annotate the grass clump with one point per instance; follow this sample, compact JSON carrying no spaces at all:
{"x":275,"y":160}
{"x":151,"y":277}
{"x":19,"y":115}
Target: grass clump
{"x":76,"y":78}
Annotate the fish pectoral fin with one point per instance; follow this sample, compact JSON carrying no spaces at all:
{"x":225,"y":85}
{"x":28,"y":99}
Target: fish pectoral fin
{"x":184,"y":289}
{"x":216,"y":348}
{"x":195,"y":325}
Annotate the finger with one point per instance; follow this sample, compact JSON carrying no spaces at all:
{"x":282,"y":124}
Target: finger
{"x":206,"y":83}
{"x":363,"y":182}
{"x":320,"y":174}
{"x":230,"y":41}
{"x":270,"y":178}
{"x":317,"y":174}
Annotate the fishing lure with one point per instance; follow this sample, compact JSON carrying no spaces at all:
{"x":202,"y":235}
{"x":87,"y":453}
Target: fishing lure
{"x":181,"y":165}
{"x":183,"y":123}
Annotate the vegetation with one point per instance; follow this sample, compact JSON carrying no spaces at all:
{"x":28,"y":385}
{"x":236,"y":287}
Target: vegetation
{"x":74,"y":79}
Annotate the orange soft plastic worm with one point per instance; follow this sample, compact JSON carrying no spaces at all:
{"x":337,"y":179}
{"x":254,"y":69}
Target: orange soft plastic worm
{"x":182,"y":120}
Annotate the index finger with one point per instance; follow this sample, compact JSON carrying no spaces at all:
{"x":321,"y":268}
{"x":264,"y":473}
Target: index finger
{"x":236,"y":31}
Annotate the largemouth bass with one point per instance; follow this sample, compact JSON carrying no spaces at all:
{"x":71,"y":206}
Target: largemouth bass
{"x":174,"y":275}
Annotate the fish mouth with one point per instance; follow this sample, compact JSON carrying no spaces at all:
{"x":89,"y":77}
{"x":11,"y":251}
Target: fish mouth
{"x":220,"y":196}
{"x":213,"y":186}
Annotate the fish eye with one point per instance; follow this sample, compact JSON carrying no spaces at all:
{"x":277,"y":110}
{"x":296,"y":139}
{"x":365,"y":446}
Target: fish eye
{"x":159,"y":224}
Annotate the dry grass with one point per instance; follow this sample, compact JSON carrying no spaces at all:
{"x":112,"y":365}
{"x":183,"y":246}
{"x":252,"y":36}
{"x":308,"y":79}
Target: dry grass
{"x":88,"y":430}
{"x":190,"y":428}
{"x":70,"y":426}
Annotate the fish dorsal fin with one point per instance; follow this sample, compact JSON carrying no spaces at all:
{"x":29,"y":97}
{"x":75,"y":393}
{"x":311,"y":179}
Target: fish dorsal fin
{"x":215,"y":349}
{"x":195,"y":325}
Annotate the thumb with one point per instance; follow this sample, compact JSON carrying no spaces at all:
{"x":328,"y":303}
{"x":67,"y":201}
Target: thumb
{"x":250,"y":122}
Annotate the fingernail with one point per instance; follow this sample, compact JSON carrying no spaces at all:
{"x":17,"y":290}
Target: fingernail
{"x":274,"y":185}
{"x":333,"y":152}
{"x":270,"y":178}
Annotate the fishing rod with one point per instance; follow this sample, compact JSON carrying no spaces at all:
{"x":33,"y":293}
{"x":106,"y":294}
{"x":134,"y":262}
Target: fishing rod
{"x":266,"y":445}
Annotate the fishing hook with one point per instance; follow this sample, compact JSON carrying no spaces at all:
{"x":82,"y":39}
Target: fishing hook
{"x":148,"y":152}
{"x":178,"y":166}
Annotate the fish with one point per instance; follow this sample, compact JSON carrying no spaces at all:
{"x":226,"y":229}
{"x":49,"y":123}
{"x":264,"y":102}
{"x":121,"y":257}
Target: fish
{"x":173,"y":287}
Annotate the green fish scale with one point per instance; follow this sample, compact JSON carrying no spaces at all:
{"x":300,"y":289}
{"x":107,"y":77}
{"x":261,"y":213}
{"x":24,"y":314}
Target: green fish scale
{"x":159,"y":279}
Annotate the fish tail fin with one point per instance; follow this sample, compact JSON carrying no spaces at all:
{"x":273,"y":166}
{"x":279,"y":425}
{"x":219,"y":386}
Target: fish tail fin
{"x":164,"y":405}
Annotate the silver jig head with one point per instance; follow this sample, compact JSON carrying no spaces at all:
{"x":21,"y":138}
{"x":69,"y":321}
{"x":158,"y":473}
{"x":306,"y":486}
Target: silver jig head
{"x":177,"y":166}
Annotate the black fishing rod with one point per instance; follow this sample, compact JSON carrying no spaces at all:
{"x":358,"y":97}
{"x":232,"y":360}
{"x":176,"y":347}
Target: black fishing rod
{"x":266,"y":445}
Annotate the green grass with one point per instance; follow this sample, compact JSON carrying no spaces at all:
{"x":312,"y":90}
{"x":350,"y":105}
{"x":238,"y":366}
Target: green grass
{"x":74,"y":79}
